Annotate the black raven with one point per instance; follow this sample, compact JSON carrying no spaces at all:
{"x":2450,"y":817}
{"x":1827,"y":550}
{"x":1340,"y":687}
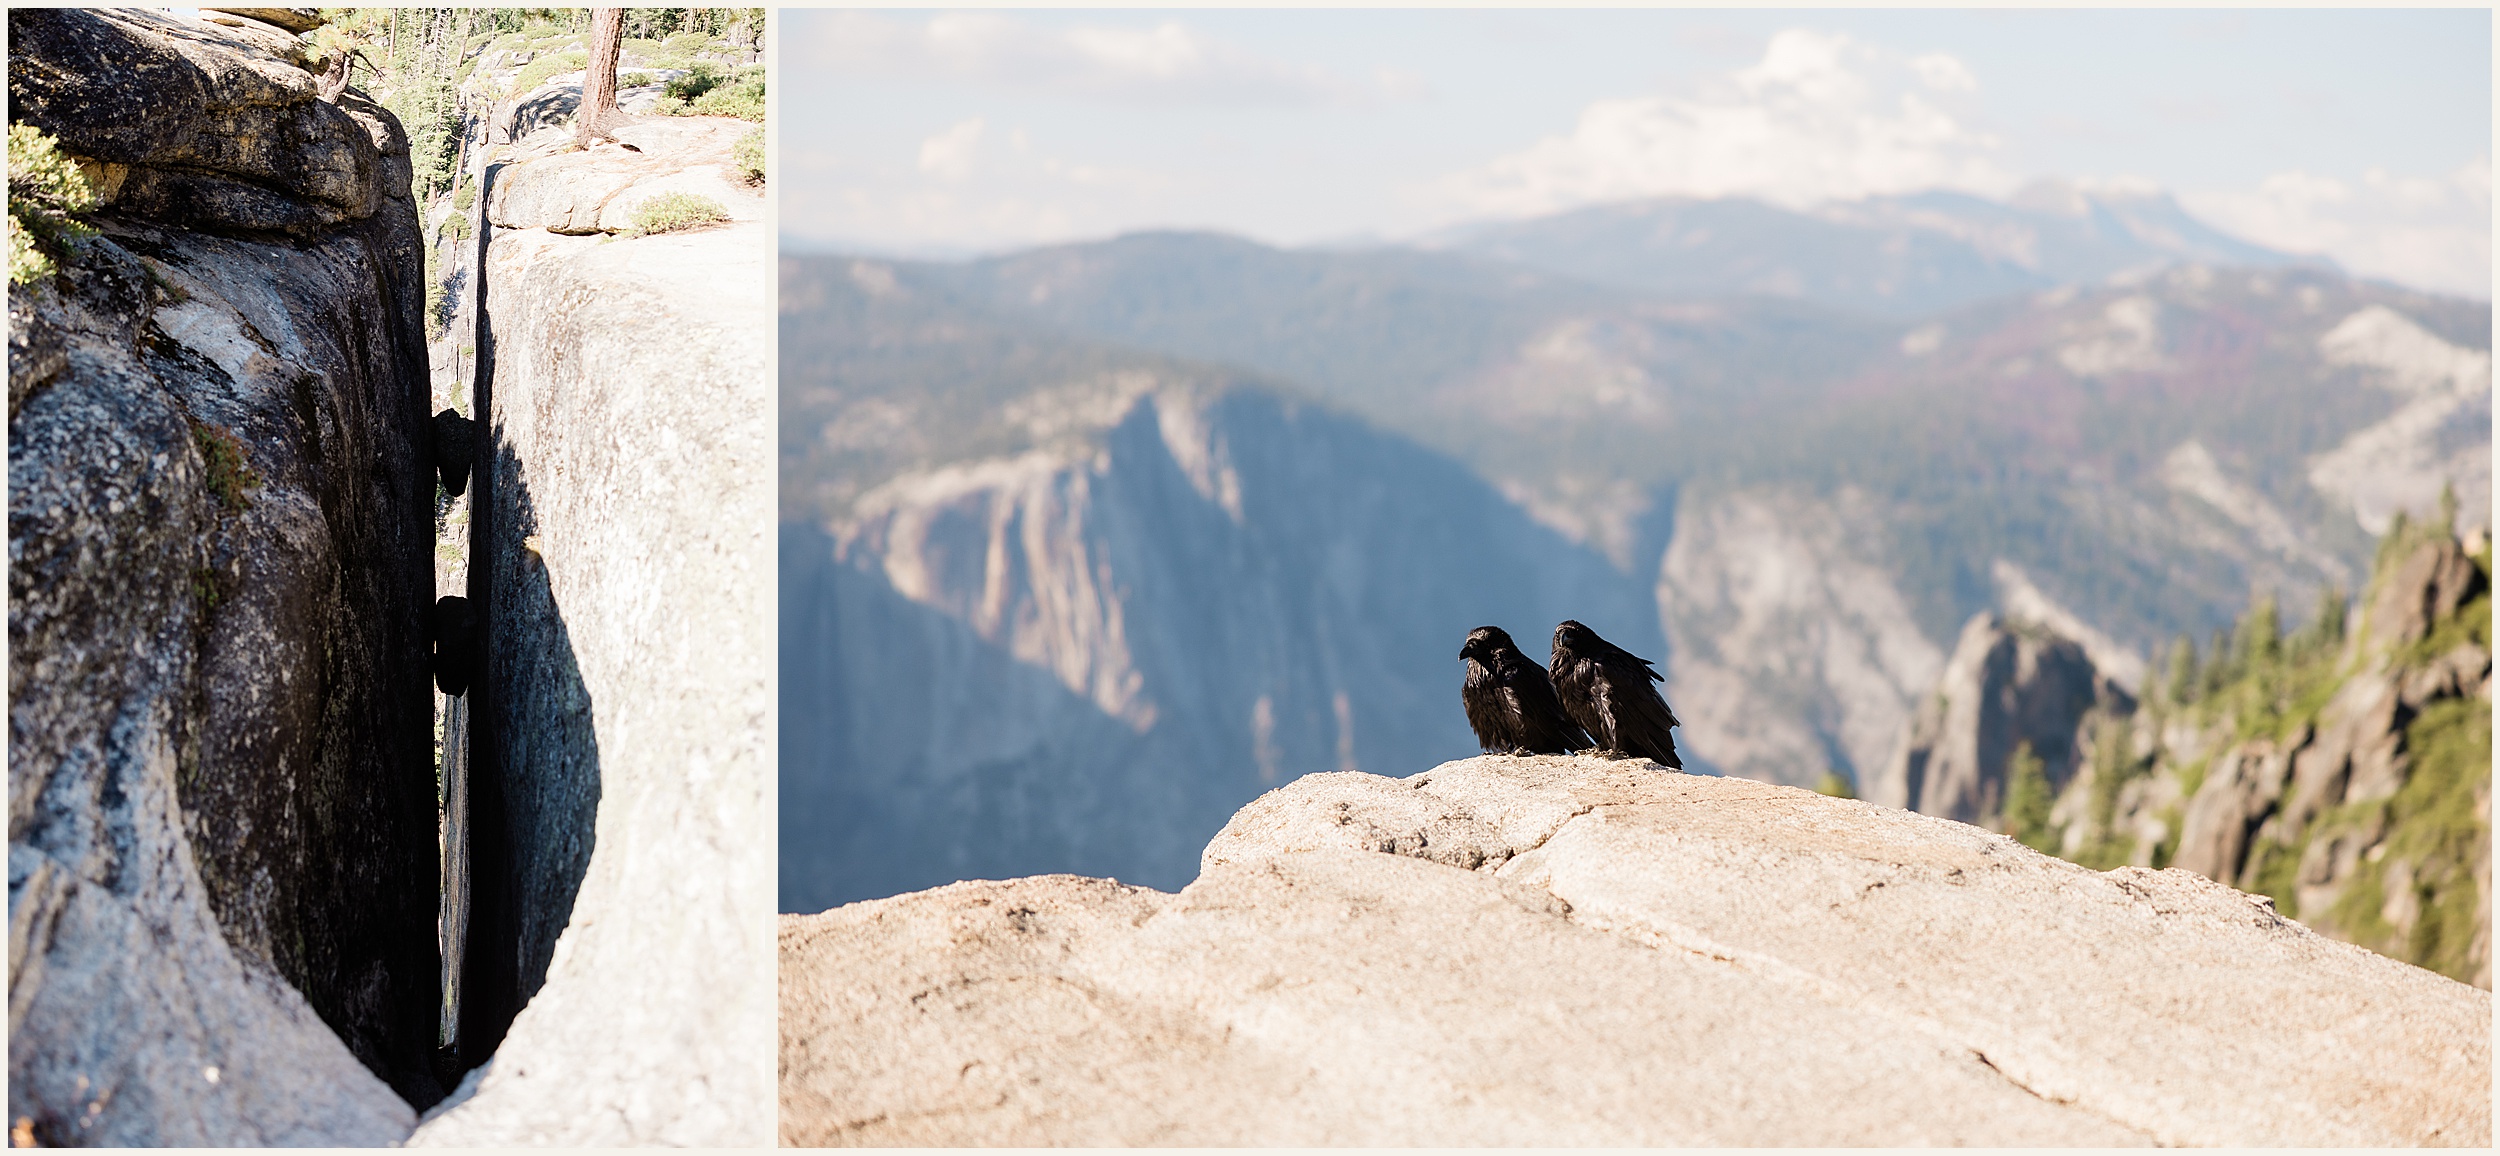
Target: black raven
{"x":1606,"y":690}
{"x":455,"y":450}
{"x":452,"y":625}
{"x":1509,"y":701}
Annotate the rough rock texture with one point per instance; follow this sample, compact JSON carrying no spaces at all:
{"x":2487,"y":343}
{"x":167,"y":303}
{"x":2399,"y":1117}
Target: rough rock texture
{"x":995,"y":667}
{"x":285,"y":19}
{"x":222,"y":819}
{"x":622,"y":777}
{"x":2320,"y":793}
{"x":2007,"y":684}
{"x":217,"y":130}
{"x":1635,"y":957}
{"x":2344,"y":775}
{"x":598,"y":190}
{"x":2428,"y":585}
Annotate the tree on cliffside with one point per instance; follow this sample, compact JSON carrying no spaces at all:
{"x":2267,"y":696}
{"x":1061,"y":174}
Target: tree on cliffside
{"x":599,"y":113}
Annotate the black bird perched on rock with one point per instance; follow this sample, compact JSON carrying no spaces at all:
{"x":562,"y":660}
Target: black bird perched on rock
{"x":452,"y":627}
{"x":1606,"y":690}
{"x":455,"y":450}
{"x":1510,"y":702}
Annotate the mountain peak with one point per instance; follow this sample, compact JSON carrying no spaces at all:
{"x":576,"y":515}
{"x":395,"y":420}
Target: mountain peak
{"x":1897,"y":255}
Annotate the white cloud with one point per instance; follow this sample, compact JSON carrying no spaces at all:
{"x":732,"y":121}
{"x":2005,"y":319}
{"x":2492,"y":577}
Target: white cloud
{"x":950,"y":154}
{"x":1943,"y":73}
{"x":1163,"y":52}
{"x":2429,"y":232}
{"x":1167,"y":61}
{"x":1820,"y":117}
{"x":975,"y":187}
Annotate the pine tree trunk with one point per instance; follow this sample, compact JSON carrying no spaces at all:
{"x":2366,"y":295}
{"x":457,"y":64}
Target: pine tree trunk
{"x":599,"y":113}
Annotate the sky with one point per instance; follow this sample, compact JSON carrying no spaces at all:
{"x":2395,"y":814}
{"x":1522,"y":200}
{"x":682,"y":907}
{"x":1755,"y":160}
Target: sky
{"x":2358,"y":134}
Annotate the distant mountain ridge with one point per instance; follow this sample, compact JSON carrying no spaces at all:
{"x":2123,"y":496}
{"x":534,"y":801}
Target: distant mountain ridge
{"x":1809,"y":500}
{"x":1896,"y":256}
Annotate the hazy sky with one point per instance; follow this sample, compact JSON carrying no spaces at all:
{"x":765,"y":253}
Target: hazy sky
{"x":2365,"y":135}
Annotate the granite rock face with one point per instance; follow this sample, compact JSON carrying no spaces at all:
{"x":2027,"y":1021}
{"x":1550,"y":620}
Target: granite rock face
{"x":998,"y":665}
{"x":621,"y":780}
{"x":1790,"y":651}
{"x":2327,"y":793}
{"x":201,"y":125}
{"x":1565,"y":950}
{"x":222,"y":820}
{"x":2009,"y":684}
{"x":598,"y":191}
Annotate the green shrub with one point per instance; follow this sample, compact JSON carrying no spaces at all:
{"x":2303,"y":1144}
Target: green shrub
{"x":748,"y":154}
{"x":2027,"y":800}
{"x":26,"y":261}
{"x":548,"y":64}
{"x":436,"y":319}
{"x":687,"y":43}
{"x":45,"y":187}
{"x":702,"y":77}
{"x":455,"y":227}
{"x":708,"y":89}
{"x":636,"y":79}
{"x":428,"y":108}
{"x":464,"y":196}
{"x":743,"y":101}
{"x":670,"y":212}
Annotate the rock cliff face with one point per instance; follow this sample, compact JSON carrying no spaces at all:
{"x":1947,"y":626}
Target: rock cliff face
{"x":2346,"y":778}
{"x":616,"y":972}
{"x":2370,"y":816}
{"x":222,"y":823}
{"x":1794,"y":653}
{"x":1561,"y":950}
{"x":1817,"y":504}
{"x":1091,"y":653}
{"x":2009,"y":685}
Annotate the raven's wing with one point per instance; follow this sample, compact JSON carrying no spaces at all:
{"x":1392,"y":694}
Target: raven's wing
{"x":1489,"y":710}
{"x":1641,"y":718}
{"x":1545,"y":728}
{"x":1575,"y":687}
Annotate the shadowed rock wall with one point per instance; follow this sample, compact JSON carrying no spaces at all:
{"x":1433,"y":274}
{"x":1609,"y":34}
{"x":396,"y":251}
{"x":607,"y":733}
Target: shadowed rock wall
{"x":222,"y":820}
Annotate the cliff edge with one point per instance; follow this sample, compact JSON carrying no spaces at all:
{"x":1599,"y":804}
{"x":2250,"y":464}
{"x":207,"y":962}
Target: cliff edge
{"x":221,"y":802}
{"x":1567,"y":950}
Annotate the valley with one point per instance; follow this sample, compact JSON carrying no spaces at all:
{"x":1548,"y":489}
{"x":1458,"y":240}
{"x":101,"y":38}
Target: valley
{"x":1793,"y":503}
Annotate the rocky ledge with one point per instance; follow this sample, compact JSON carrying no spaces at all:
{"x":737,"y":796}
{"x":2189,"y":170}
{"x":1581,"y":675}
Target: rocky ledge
{"x":221,"y":802}
{"x":1566,"y":950}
